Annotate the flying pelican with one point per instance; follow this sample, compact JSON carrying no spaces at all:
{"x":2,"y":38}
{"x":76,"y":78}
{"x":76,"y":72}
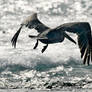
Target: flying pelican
{"x":49,"y":36}
{"x":33,"y":22}
{"x":83,"y":31}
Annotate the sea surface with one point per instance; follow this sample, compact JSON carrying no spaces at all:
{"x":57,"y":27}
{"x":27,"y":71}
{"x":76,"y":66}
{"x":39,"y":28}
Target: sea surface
{"x":60,"y":67}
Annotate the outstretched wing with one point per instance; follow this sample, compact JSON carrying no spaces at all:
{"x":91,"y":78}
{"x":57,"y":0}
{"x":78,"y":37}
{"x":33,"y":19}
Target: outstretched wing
{"x":27,"y":23}
{"x":83,"y":30}
{"x":15,"y":37}
{"x":31,"y":22}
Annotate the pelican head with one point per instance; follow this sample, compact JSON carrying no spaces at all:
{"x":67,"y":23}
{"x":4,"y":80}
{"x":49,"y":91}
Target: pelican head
{"x":31,"y":21}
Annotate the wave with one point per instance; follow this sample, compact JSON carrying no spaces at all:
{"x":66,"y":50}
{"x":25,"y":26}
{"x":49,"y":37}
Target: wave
{"x":44,"y":64}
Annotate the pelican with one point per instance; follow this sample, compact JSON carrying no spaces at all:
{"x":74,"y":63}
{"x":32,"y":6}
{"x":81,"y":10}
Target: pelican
{"x":48,"y":36}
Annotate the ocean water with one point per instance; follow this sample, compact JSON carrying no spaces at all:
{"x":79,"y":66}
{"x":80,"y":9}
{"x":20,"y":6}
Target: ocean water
{"x":60,"y":67}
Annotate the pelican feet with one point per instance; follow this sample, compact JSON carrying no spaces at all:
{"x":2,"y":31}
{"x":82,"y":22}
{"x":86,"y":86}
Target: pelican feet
{"x":36,"y":45}
{"x":44,"y":48}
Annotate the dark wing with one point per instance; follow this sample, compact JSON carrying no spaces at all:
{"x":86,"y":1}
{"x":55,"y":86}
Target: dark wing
{"x":83,"y":30}
{"x":26,"y":23}
{"x":84,"y":42}
{"x":15,"y":37}
{"x":31,"y":22}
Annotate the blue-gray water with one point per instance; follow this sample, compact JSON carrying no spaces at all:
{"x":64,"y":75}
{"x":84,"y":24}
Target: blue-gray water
{"x":60,"y":66}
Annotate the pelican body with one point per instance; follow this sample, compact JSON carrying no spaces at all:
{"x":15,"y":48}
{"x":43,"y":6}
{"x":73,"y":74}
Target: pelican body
{"x":51,"y":37}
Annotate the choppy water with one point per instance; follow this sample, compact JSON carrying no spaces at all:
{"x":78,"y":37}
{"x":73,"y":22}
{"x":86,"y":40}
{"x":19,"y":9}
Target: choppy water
{"x":60,"y":67}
